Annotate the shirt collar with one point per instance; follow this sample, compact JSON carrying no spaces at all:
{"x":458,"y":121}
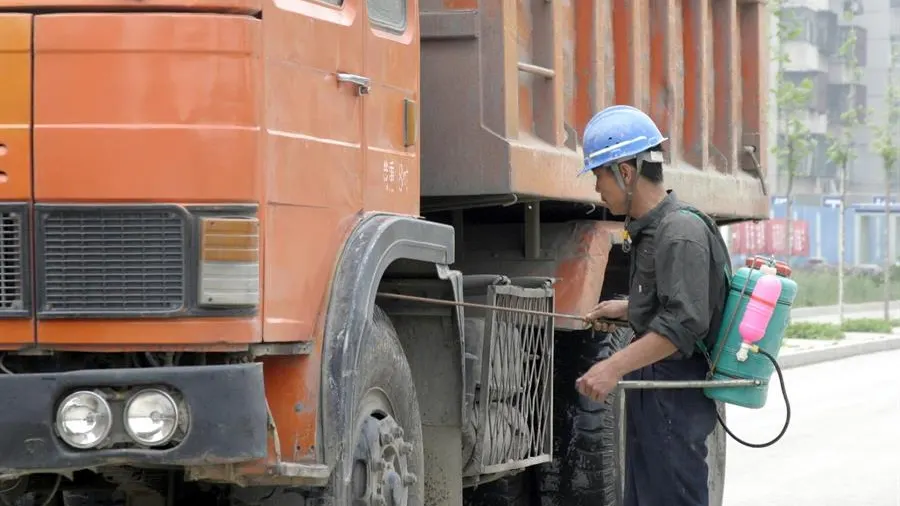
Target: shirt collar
{"x":636,"y":226}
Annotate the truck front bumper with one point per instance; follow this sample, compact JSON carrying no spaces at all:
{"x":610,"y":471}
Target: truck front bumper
{"x":226,"y":405}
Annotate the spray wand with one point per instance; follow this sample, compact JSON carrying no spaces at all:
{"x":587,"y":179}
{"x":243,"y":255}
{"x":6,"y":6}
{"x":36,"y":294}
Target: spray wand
{"x":631,"y":384}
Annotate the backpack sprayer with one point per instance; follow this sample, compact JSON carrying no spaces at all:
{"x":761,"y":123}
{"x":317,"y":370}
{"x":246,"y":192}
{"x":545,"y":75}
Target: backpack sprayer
{"x":741,"y":363}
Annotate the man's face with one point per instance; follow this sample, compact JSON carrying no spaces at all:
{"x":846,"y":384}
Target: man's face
{"x":609,"y":188}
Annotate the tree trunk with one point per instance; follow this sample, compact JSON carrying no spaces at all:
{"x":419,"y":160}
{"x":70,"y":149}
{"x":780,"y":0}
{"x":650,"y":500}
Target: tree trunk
{"x":789,"y":218}
{"x":888,"y":257}
{"x":789,"y":202}
{"x":841,"y":240}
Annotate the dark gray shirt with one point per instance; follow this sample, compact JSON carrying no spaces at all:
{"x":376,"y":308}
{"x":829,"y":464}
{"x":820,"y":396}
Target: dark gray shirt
{"x":678,"y":278}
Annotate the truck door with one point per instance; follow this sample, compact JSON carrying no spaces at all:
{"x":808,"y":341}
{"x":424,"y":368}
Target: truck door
{"x":16,"y":323}
{"x":391,"y":107}
{"x":314,"y":73}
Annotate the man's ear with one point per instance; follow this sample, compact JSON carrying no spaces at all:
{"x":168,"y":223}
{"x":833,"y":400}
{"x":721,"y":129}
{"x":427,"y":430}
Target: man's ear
{"x":627,"y":172}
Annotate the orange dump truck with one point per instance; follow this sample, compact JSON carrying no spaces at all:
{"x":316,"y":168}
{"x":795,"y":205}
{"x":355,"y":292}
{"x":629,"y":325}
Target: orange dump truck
{"x":205,"y":203}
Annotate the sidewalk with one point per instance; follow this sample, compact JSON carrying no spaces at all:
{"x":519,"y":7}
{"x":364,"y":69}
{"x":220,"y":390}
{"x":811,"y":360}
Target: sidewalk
{"x":800,"y":352}
{"x":829,"y":314}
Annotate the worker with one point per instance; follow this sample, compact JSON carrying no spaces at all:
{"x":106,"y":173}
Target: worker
{"x":677,"y":290}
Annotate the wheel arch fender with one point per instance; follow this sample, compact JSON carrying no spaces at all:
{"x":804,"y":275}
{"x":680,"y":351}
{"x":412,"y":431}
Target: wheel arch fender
{"x":375,"y":243}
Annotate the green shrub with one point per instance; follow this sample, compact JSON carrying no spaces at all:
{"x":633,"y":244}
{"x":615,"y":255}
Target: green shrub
{"x":817,"y":331}
{"x":819,"y":288}
{"x":875,"y":325}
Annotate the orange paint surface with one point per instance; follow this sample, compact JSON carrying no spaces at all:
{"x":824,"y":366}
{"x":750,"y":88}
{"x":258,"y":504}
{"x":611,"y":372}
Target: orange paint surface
{"x":15,"y":107}
{"x":170,"y":98}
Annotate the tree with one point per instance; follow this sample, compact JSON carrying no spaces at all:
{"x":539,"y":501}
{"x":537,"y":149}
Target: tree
{"x":841,"y":149}
{"x":889,"y":150}
{"x":793,"y":102}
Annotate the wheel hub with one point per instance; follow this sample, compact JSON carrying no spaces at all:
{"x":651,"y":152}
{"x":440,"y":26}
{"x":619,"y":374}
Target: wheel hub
{"x":381,"y":475}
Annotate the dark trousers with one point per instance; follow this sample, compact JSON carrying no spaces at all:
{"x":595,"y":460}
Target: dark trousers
{"x":666,"y":438}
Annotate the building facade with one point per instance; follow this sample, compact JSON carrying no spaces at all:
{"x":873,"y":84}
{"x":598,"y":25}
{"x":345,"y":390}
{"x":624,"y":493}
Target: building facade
{"x":814,"y":54}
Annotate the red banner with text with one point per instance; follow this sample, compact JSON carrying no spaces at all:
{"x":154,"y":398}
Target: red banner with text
{"x":769,"y":237}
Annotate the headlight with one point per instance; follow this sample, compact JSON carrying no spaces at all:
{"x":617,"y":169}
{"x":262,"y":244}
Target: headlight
{"x":151,"y":417}
{"x":229,"y":262}
{"x":83,"y":419}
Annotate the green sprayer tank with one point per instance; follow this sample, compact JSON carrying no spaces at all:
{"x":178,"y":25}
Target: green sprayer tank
{"x":726,"y":355}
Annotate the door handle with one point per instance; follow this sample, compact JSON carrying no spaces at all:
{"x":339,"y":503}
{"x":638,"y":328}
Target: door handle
{"x":363,"y":84}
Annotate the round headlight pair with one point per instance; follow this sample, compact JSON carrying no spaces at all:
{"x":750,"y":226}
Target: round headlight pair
{"x":84,"y":418}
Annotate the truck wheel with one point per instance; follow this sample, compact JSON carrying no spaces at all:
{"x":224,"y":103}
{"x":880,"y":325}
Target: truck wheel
{"x":583,"y":472}
{"x":509,"y":491}
{"x":387,"y":462}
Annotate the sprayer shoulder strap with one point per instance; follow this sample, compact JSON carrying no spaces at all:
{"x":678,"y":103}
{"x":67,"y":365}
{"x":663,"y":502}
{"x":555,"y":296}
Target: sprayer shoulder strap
{"x":717,"y":237}
{"x":723,"y":249}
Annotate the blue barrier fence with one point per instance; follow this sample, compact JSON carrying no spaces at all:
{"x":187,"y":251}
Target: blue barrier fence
{"x":865,"y":224}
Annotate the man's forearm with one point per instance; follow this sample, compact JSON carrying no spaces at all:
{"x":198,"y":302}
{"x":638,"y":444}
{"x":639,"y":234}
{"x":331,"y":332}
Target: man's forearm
{"x":642,"y":352}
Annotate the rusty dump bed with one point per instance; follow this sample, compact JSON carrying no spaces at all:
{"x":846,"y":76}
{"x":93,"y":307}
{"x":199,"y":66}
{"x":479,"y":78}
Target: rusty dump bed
{"x":216,"y":6}
{"x":508,"y":85}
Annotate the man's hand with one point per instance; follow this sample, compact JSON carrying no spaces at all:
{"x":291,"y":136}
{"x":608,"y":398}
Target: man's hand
{"x":602,"y":378}
{"x":609,"y":309}
{"x":599,"y":381}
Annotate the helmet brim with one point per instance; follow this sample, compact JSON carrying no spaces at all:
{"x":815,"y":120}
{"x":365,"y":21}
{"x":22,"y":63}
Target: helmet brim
{"x":625,"y":156}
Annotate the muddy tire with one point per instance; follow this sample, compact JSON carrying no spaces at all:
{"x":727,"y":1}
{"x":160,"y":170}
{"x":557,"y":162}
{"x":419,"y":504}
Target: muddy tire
{"x":511,"y":491}
{"x":383,"y":463}
{"x":583,"y":472}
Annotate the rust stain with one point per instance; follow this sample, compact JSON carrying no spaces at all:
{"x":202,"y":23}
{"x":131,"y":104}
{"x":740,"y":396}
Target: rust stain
{"x":726,"y":90}
{"x":580,"y":274}
{"x":585,"y":33}
{"x":696,"y":82}
{"x":659,"y":62}
{"x":754,"y":82}
{"x":570,"y":80}
{"x":526,"y":103}
{"x":458,"y":5}
{"x":623,"y":24}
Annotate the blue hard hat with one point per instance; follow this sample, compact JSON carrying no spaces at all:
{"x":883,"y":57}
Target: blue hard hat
{"x":618,"y":133}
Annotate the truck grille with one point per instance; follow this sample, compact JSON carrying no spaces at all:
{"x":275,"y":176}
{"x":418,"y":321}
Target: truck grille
{"x":513,"y":413}
{"x":110,"y":261}
{"x":12,"y":262}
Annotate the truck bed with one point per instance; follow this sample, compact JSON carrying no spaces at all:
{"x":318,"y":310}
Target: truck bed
{"x":508,"y":85}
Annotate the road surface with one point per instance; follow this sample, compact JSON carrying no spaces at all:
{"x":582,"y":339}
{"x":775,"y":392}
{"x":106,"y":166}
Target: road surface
{"x":842,"y":447}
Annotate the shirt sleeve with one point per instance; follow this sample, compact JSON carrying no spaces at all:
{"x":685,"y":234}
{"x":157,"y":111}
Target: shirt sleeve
{"x":682,"y":270}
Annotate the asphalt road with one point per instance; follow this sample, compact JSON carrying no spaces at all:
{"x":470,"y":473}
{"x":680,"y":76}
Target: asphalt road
{"x":842,"y":447}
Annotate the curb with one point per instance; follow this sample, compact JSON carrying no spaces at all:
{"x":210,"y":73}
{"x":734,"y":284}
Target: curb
{"x":849,"y":309}
{"x":839,"y":351}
